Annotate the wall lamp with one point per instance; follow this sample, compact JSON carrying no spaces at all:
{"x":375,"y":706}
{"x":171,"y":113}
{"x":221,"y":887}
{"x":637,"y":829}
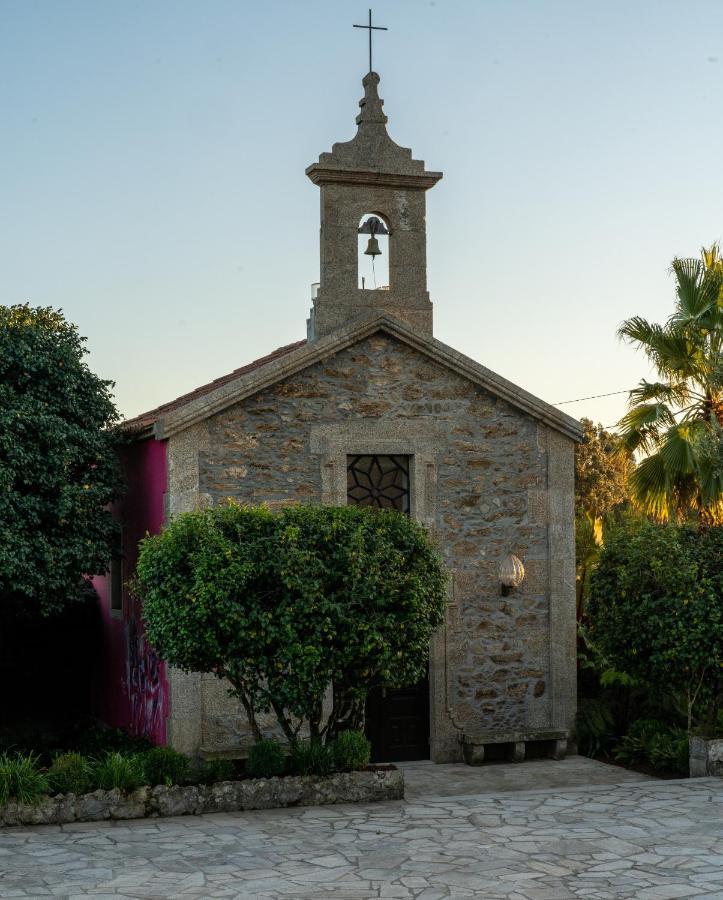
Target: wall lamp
{"x":511,"y":574}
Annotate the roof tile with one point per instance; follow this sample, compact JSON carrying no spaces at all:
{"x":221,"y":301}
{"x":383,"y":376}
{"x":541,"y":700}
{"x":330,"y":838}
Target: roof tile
{"x":147,"y":419}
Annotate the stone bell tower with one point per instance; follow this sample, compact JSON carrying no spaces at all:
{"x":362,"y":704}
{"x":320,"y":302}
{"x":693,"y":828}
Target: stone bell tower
{"x":371,"y":175}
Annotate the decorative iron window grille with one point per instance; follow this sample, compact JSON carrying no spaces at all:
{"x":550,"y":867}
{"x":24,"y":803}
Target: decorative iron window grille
{"x":378,"y":481}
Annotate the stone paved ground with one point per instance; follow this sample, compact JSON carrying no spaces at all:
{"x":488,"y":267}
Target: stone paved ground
{"x":425,"y":779}
{"x":650,"y":840}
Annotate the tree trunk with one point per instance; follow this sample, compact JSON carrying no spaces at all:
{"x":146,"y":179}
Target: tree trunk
{"x":240,"y":692}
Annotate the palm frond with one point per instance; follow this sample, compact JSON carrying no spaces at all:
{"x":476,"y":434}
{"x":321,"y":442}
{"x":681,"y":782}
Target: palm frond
{"x":675,"y":353}
{"x":668,"y":347}
{"x":638,"y":330}
{"x":672,"y":392}
{"x":711,"y":256}
{"x":711,"y":489}
{"x":678,"y":452}
{"x":652,"y":488}
{"x":677,"y":419}
{"x":689,"y":273}
{"x":643,"y":424}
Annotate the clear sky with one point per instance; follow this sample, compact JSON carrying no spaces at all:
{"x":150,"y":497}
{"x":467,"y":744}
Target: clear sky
{"x":152,"y":184}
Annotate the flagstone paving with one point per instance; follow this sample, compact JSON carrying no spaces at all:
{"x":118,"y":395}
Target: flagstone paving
{"x":649,"y":840}
{"x":427,"y":779}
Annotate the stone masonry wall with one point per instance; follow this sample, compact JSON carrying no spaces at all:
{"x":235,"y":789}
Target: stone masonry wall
{"x":491,"y":498}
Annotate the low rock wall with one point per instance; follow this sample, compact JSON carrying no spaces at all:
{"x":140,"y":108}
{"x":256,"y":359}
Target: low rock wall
{"x":226,"y":796}
{"x":706,"y":757}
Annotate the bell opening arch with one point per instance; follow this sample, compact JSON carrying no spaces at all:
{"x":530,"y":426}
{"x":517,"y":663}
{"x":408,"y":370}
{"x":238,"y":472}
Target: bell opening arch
{"x":373,"y":249}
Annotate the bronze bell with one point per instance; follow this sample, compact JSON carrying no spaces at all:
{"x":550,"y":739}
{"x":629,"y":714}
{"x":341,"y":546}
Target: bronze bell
{"x":373,"y":247}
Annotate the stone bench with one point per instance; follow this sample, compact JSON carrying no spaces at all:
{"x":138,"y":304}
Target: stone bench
{"x":474,"y":744}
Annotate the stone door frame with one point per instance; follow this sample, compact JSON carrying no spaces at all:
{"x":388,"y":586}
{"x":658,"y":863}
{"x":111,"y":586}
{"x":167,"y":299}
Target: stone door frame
{"x":422,"y":444}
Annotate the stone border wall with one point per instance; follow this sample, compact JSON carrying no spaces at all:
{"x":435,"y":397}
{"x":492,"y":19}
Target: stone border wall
{"x":225,"y":796}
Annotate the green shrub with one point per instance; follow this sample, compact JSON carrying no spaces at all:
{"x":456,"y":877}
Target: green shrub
{"x":594,"y":726}
{"x":312,"y":758}
{"x":70,"y":773}
{"x":21,"y":779}
{"x":266,"y":760}
{"x":280,"y":604}
{"x":163,"y":765}
{"x":211,"y":771}
{"x":350,"y":751}
{"x":118,"y":770}
{"x":97,"y":739}
{"x":655,"y":609}
{"x":651,"y":742}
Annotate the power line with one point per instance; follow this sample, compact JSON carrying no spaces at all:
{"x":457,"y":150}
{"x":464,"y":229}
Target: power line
{"x":593,"y":397}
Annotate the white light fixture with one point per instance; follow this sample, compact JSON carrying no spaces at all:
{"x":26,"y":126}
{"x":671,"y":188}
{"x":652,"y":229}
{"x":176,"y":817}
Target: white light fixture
{"x":511,"y":574}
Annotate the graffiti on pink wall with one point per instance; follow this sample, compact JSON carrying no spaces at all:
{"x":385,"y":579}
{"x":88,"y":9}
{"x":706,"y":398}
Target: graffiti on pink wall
{"x":131,"y":690}
{"x":145,"y":684}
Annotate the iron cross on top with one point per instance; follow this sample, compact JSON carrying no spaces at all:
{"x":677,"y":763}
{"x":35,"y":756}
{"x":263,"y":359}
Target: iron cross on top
{"x":371,"y":28}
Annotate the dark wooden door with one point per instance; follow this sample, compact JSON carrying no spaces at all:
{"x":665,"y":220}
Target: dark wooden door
{"x":397,"y":720}
{"x":397,"y":723}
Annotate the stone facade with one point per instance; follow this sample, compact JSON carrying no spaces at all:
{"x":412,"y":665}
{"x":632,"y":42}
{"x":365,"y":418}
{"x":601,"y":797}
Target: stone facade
{"x":491,"y":466}
{"x":487,"y":480}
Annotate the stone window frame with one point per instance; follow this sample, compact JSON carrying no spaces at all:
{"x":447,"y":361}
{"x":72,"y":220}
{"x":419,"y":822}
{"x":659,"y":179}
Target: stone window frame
{"x":333,"y":444}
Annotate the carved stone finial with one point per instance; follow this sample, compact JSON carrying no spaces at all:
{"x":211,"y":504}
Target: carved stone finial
{"x":372,"y":112}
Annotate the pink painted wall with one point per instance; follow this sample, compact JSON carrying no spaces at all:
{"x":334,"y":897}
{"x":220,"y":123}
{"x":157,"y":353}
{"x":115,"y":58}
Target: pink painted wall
{"x":131,"y":688}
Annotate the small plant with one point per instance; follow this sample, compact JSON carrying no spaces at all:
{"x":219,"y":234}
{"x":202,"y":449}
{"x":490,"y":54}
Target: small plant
{"x":594,"y":726}
{"x":96,"y":739}
{"x":163,"y":765}
{"x":266,"y":760}
{"x":21,"y":779}
{"x":312,"y":758}
{"x":70,"y":773}
{"x":350,"y":751}
{"x":654,"y":743}
{"x":211,"y":771}
{"x":116,"y":770}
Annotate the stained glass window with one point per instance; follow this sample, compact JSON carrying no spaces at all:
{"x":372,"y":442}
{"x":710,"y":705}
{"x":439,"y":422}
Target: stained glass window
{"x":379,"y":481}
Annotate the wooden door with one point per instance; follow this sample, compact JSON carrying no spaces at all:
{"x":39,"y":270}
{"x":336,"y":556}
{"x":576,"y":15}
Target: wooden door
{"x":397,"y":720}
{"x":397,"y":723}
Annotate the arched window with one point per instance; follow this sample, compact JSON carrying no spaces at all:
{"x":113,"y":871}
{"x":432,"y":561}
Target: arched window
{"x":373,"y":253}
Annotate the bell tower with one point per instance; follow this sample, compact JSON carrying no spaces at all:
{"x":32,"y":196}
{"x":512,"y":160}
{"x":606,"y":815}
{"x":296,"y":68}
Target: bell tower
{"x":371,"y":186}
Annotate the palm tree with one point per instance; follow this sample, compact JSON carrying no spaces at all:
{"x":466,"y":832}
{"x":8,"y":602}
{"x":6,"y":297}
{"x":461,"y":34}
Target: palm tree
{"x":677,"y":421}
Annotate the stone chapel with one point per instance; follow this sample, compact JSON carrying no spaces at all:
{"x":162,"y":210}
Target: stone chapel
{"x":371,"y":408}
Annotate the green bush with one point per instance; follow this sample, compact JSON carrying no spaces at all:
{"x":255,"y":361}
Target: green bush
{"x":97,"y":739}
{"x":211,"y":771}
{"x":283,"y":604}
{"x":70,"y":773}
{"x":651,"y":742}
{"x":163,"y":765}
{"x":21,"y":779}
{"x":58,"y":459}
{"x":350,"y":751}
{"x":656,"y":610}
{"x":312,"y":758}
{"x":266,"y":760}
{"x":118,"y":770}
{"x":594,"y":726}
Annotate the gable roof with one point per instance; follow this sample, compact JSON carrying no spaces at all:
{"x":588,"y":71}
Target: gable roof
{"x":212,"y":398}
{"x":146,"y":420}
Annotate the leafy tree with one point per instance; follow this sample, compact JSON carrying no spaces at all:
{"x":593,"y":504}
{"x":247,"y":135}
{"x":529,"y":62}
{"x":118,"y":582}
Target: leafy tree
{"x":656,"y":610}
{"x":58,"y":464}
{"x":677,"y":421}
{"x":285,"y":605}
{"x":602,"y":470}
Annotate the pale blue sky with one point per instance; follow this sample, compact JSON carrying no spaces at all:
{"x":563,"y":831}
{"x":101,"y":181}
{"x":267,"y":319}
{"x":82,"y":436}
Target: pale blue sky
{"x":152,"y":184}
